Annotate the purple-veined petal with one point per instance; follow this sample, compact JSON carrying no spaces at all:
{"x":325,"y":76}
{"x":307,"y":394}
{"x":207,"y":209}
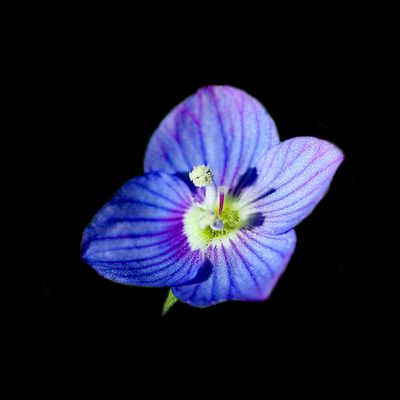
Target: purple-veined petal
{"x":291,"y":179}
{"x":245,"y":267}
{"x":138,"y":239}
{"x":220,"y":126}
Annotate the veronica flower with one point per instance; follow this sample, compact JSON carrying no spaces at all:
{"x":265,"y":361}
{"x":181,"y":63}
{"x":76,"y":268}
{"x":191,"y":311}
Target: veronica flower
{"x":213,"y":216}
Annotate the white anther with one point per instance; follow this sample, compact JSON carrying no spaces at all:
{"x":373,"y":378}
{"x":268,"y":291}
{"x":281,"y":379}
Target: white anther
{"x":201,"y":176}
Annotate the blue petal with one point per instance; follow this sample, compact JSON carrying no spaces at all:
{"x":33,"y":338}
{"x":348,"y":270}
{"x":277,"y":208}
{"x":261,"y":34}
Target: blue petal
{"x":138,"y":238}
{"x":292,"y":178}
{"x":220,"y":126}
{"x":247,"y":268}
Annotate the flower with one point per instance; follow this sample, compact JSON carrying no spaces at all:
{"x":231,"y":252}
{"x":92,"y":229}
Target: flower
{"x":213,"y":215}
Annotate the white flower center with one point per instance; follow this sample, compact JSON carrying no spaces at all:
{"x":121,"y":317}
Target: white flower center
{"x":217,"y":218}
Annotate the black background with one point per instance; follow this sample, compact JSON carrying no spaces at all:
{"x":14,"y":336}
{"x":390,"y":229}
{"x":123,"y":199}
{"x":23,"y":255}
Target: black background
{"x":103,"y":95}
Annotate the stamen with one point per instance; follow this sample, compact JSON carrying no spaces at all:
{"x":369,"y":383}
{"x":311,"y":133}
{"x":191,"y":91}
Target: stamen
{"x":211,"y":196}
{"x":201,"y":176}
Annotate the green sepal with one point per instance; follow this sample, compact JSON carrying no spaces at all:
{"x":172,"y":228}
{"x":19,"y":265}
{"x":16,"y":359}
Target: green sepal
{"x":169,"y":302}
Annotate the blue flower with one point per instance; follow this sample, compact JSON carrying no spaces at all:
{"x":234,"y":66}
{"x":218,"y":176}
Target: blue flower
{"x":213,"y":216}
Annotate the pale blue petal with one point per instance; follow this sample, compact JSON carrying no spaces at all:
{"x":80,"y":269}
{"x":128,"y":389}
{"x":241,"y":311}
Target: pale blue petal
{"x":291,"y":179}
{"x":219,"y":126}
{"x":246,"y":268}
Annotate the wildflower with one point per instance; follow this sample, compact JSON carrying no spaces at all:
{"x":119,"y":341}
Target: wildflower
{"x":213,"y":216}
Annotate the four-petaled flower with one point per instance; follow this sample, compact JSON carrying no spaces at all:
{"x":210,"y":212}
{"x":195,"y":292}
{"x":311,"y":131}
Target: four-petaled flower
{"x":213,"y":216}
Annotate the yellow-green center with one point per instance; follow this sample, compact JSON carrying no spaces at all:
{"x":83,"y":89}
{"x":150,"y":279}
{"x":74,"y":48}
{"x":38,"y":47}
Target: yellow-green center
{"x":199,"y":236}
